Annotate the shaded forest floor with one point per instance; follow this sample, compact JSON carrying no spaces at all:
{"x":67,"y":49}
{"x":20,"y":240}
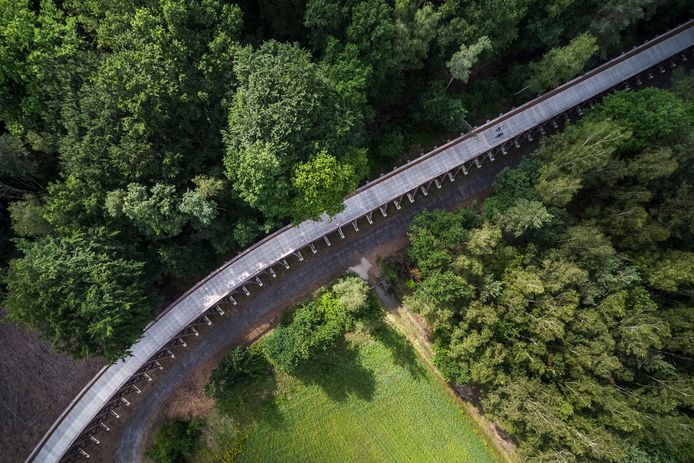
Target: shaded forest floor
{"x":36,"y":385}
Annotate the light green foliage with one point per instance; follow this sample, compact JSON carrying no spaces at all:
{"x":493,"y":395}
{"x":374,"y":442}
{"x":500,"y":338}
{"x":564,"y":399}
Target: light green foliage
{"x":484,"y":239}
{"x":38,"y":51}
{"x":559,"y":65}
{"x":671,"y":272}
{"x":194,"y":205}
{"x":576,"y":338}
{"x":160,"y":212}
{"x":366,"y":399}
{"x":317,"y":325}
{"x":433,"y":234}
{"x":321,"y":185}
{"x":352,"y":293}
{"x":524,"y":215}
{"x":27,"y":218}
{"x":573,"y":156}
{"x":80,"y":293}
{"x":465,"y":58}
{"x":287,"y":112}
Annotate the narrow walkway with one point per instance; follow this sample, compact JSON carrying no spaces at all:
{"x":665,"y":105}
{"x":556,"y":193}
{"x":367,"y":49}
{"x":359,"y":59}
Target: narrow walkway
{"x":292,"y":286}
{"x":386,"y":195}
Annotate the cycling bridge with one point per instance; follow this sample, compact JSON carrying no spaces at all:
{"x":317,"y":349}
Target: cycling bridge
{"x":76,"y":429}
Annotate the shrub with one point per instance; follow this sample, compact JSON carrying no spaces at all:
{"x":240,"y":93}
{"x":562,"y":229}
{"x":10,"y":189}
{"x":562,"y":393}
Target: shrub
{"x":240,"y":365}
{"x":174,"y":441}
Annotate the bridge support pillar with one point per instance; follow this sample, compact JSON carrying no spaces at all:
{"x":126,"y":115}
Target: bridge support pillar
{"x":477,"y":163}
{"x":285,"y":264}
{"x":94,"y":439}
{"x":342,"y":234}
{"x":113,"y":412}
{"x":504,"y":151}
{"x":137,"y":389}
{"x":103,"y":425}
{"x":517,"y":143}
{"x":259,"y":281}
{"x":125,"y":401}
{"x":490,"y":155}
{"x":369,"y":217}
{"x":355,"y":224}
{"x":425,"y":189}
{"x":384,"y":210}
{"x":83,"y":453}
{"x":397,"y":203}
{"x":437,"y":183}
{"x":299,"y":255}
{"x":232,"y":300}
{"x":312,"y":247}
{"x":245,"y":290}
{"x":219,"y":310}
{"x":530,"y":136}
{"x":451,"y":177}
{"x":410,"y":196}
{"x":272,"y":272}
{"x":327,"y":241}
{"x":554,"y":124}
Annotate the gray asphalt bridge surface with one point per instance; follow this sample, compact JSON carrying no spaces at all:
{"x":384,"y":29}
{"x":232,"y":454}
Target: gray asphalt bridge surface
{"x":87,"y":414}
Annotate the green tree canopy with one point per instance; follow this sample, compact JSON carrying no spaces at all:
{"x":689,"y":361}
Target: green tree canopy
{"x":79,"y":292}
{"x":285,"y":113}
{"x":559,"y":65}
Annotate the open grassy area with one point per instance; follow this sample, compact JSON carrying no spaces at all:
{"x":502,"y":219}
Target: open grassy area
{"x":367,"y":400}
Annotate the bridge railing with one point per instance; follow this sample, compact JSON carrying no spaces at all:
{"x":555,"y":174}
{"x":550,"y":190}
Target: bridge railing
{"x":88,"y":413}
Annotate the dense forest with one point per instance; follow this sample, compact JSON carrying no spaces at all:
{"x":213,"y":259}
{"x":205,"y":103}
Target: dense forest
{"x":566,"y":299}
{"x":144,"y":142}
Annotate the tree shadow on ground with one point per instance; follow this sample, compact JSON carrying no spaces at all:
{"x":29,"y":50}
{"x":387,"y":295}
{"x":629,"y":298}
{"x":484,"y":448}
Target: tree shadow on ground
{"x":340,"y":373}
{"x":253,"y":400}
{"x":400,"y":348}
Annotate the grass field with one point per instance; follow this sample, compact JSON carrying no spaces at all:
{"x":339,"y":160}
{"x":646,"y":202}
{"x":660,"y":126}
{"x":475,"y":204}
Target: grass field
{"x":368,"y":400}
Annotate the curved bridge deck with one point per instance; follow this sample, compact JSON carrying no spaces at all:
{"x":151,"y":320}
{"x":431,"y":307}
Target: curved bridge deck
{"x":86,"y":415}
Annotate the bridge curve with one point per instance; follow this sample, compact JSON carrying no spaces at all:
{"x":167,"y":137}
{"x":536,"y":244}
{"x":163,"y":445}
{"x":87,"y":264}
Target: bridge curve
{"x":87,"y":413}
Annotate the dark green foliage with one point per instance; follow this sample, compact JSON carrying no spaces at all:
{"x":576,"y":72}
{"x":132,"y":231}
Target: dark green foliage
{"x":437,"y":109}
{"x":575,"y":333}
{"x":653,"y":116}
{"x":80,"y":292}
{"x":240,"y":365}
{"x":174,"y":441}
